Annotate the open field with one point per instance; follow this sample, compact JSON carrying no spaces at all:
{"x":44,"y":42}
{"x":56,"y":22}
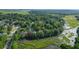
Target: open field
{"x":72,"y":21}
{"x":36,"y":44}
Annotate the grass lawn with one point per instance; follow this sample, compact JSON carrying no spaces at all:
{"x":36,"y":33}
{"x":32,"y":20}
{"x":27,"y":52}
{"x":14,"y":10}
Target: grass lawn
{"x":36,"y":44}
{"x":71,"y":20}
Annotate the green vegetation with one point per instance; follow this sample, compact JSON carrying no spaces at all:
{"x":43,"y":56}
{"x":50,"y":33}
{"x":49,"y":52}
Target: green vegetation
{"x":36,"y":43}
{"x":3,"y":39}
{"x":65,"y":39}
{"x":36,"y":29}
{"x":70,"y":35}
{"x":72,"y":21}
{"x":65,"y":46}
{"x":14,"y":11}
{"x":76,"y":46}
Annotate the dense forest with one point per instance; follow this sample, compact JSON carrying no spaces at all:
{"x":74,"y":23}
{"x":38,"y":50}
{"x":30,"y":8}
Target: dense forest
{"x":33,"y":26}
{"x":38,"y":28}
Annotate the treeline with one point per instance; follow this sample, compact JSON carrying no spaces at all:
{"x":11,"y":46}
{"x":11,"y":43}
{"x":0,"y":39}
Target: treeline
{"x":76,"y":46}
{"x":77,"y":17}
{"x":77,"y":40}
